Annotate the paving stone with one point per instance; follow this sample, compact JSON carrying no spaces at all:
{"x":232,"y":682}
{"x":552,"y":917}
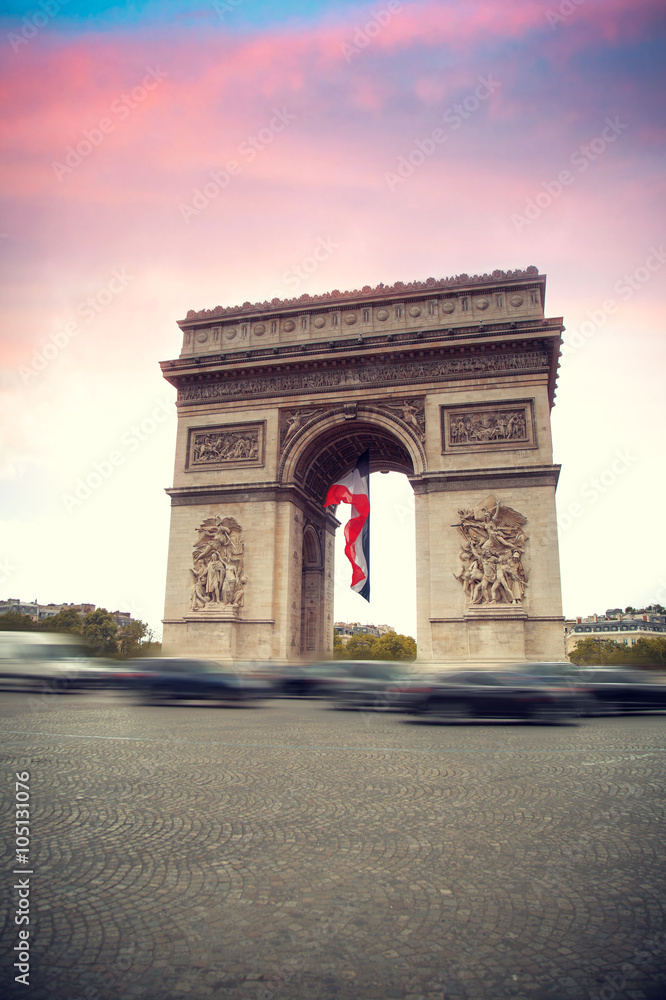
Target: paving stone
{"x":294,"y":853}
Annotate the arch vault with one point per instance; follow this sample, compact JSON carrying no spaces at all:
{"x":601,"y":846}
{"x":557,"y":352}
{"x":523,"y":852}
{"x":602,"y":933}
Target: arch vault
{"x":450,"y":382}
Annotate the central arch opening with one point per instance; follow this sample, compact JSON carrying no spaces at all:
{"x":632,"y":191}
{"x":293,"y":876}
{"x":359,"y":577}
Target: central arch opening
{"x":329,"y":455}
{"x":392,"y":559}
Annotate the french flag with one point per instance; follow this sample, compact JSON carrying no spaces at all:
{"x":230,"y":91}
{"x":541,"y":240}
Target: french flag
{"x":355,"y":489}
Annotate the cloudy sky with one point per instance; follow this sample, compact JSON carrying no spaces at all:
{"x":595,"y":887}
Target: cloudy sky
{"x":116,"y":116}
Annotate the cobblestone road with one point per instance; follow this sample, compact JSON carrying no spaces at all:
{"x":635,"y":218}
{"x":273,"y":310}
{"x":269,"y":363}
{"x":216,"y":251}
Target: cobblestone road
{"x":296,"y":853}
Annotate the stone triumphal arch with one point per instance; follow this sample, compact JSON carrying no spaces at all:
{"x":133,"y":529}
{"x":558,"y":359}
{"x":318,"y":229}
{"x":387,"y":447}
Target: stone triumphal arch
{"x":450,"y":382}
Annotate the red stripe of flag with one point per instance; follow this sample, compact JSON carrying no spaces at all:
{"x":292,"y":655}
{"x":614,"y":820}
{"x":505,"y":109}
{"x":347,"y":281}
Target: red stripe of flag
{"x":354,"y":489}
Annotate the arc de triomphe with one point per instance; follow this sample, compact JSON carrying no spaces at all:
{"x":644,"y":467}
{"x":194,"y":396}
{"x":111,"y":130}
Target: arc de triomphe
{"x":450,"y":382}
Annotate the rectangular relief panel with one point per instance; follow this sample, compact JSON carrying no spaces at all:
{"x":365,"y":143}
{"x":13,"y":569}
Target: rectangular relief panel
{"x":225,"y":447}
{"x":479,"y":427}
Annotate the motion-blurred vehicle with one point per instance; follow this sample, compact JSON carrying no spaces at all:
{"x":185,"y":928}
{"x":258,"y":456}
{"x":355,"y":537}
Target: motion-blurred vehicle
{"x":59,"y":662}
{"x":461,"y":696}
{"x":623,"y":690}
{"x":177,"y":678}
{"x":369,"y":684}
{"x":311,"y":680}
{"x":603,"y":690}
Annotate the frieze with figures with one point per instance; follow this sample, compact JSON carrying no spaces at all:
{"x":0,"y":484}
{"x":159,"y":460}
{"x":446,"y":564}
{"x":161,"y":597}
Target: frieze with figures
{"x":377,"y":374}
{"x":216,"y":447}
{"x":483,"y":428}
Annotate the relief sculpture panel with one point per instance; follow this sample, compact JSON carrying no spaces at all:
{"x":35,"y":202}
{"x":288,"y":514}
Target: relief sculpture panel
{"x":491,"y":556}
{"x":483,"y":427}
{"x":218,"y":558}
{"x":219,"y":447}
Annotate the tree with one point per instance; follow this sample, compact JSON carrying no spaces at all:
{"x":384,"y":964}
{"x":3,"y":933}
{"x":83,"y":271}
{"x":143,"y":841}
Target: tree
{"x":131,"y":636}
{"x":13,"y":621}
{"x":338,"y":647}
{"x":394,"y":646}
{"x":360,"y":647}
{"x":391,"y":646}
{"x":648,"y":651}
{"x":101,"y":632}
{"x":67,"y":620}
{"x":590,"y":651}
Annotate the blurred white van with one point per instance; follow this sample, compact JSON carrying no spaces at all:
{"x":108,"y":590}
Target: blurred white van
{"x":28,"y":659}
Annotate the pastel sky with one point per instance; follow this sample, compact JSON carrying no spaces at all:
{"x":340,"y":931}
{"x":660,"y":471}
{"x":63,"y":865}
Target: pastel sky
{"x":116,"y":116}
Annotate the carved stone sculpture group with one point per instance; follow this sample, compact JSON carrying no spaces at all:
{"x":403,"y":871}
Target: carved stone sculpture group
{"x":218,"y":579}
{"x":491,"y":566}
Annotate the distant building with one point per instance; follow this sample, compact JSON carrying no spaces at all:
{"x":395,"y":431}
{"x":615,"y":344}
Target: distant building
{"x":345,"y":630}
{"x":40,"y":612}
{"x":622,"y":628}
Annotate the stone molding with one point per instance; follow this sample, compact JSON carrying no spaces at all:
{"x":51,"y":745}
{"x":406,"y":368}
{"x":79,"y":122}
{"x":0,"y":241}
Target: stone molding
{"x":381,"y":291}
{"x":193,"y":496}
{"x":492,"y":479}
{"x":368,"y":375}
{"x":506,"y":612}
{"x":530,"y":618}
{"x":201,"y":617}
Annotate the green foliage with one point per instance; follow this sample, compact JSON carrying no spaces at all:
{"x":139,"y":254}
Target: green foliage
{"x":131,"y":636}
{"x":395,"y":647}
{"x":101,"y":632}
{"x":649,"y":651}
{"x":12,"y":621}
{"x":597,"y":652}
{"x":338,"y":647}
{"x":371,"y":647}
{"x":67,"y":620}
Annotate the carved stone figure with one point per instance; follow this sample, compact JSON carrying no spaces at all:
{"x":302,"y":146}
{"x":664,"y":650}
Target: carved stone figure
{"x":225,"y":446}
{"x":484,"y":426}
{"x":491,"y":568}
{"x":294,"y":420}
{"x":412,"y":411}
{"x":218,"y":554}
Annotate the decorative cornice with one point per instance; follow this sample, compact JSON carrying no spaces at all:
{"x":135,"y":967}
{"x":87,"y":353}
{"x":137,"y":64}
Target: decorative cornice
{"x":192,"y":496}
{"x":331,"y":298}
{"x":490,"y":479}
{"x":359,"y":376}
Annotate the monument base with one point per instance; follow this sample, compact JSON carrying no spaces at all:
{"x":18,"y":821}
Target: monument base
{"x":219,"y":634}
{"x":496,"y":634}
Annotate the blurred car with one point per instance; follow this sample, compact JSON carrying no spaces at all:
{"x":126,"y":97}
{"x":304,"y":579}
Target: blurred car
{"x":369,"y":684}
{"x":603,"y":690}
{"x":179,"y":678}
{"x":623,"y":690}
{"x":311,"y":680}
{"x":464,"y":695}
{"x":58,"y":661}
